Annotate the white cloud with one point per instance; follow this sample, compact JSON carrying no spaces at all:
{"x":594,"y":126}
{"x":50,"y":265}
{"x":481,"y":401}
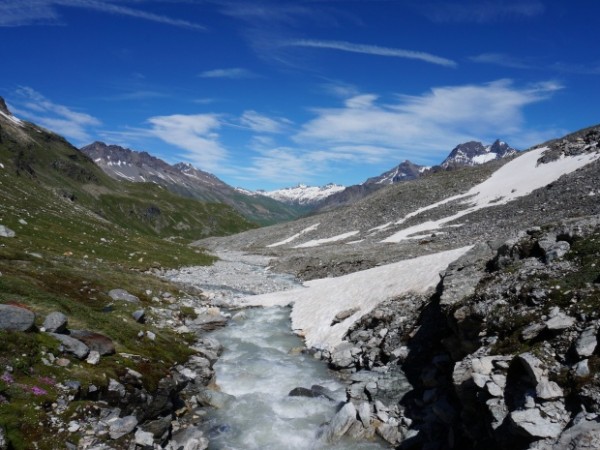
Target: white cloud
{"x":56,"y":117}
{"x":502,"y":60}
{"x":372,"y":50}
{"x":263,"y":124}
{"x":31,"y":12}
{"x":429,"y":124}
{"x":195,"y":135}
{"x":234,"y":73}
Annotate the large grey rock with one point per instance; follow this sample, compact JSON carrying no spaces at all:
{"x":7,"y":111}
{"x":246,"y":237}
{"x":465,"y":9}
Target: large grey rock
{"x":14,"y":318}
{"x":216,"y":399}
{"x":144,"y":438}
{"x":6,"y":232}
{"x":55,"y":322}
{"x":209,"y":322}
{"x":340,"y":424}
{"x":558,"y":320}
{"x":553,"y":250}
{"x":189,"y":439}
{"x":587,"y":342}
{"x":582,"y":369}
{"x":341,"y":357}
{"x":585,"y":435}
{"x":72,"y":345}
{"x":95,"y":341}
{"x":123,"y":295}
{"x":548,"y":390}
{"x":139,"y":315}
{"x":120,"y":427}
{"x":531,"y":423}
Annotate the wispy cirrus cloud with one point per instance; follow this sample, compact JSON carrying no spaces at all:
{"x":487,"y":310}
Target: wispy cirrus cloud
{"x":61,"y":119}
{"x":503,"y":60}
{"x":263,"y":124}
{"x":194,"y":134}
{"x":428,"y":124}
{"x":233,"y":73}
{"x":15,"y":13}
{"x":371,"y":50}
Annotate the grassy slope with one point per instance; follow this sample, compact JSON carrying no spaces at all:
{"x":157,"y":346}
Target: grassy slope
{"x":78,"y":235}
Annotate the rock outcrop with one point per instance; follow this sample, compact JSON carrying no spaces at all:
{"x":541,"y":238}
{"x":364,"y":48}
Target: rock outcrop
{"x":502,"y":356}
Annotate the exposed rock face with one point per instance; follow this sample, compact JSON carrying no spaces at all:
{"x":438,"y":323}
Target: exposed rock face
{"x":14,"y":318}
{"x":503,"y":356}
{"x":3,"y":107}
{"x":95,"y":341}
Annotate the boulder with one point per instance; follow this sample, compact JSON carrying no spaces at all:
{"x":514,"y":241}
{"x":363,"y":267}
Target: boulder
{"x":139,"y":315}
{"x":123,"y":295}
{"x":303,"y":392}
{"x":15,"y":318}
{"x":6,"y":232}
{"x":189,"y":439}
{"x":209,"y":322}
{"x":531,"y":423}
{"x":216,"y":399}
{"x":558,"y":320}
{"x":340,"y":424}
{"x":587,"y":342}
{"x":95,"y":341}
{"x":72,"y":345}
{"x":55,"y":322}
{"x":120,"y":427}
{"x":144,"y":438}
{"x":585,"y":435}
{"x":93,"y":358}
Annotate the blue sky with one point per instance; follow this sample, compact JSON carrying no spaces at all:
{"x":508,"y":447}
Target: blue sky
{"x":272,"y":93}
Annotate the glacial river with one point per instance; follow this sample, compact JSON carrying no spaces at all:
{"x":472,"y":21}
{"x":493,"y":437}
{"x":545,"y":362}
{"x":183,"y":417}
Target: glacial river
{"x":261,"y":363}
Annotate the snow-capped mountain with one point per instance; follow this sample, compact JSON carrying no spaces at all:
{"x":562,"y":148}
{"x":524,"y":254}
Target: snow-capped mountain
{"x":302,"y":194}
{"x":473,"y":153}
{"x":405,"y":171}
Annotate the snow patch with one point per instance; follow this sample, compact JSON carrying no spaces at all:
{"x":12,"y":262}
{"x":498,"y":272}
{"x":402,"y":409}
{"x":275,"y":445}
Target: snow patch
{"x":303,"y":194}
{"x":317,"y":303}
{"x":13,"y":119}
{"x":317,"y":242}
{"x":481,"y":159}
{"x":518,"y":178}
{"x":295,"y":236}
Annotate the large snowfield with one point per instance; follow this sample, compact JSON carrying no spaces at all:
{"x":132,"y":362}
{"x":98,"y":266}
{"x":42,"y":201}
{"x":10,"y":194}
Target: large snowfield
{"x":317,"y":303}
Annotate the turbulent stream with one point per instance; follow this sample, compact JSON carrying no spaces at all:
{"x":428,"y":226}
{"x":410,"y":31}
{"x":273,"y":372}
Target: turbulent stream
{"x":261,"y":364}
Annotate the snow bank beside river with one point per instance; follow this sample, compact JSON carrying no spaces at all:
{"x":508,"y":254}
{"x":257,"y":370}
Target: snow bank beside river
{"x":317,"y":303}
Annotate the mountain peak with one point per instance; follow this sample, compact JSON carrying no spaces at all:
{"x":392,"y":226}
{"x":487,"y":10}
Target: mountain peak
{"x":473,"y":152}
{"x":4,"y":108}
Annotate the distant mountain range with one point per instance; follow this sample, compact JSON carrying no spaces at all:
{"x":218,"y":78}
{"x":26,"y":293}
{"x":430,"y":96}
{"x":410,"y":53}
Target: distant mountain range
{"x":186,"y":180}
{"x":267,"y":207}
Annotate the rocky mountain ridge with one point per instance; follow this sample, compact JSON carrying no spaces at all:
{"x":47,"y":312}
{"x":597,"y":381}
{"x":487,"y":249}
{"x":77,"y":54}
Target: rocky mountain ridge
{"x":185,"y":180}
{"x":473,"y":153}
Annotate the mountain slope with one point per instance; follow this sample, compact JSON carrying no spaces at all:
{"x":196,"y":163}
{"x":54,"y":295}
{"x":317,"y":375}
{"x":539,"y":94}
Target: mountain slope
{"x":444,"y":209}
{"x":185,"y":180}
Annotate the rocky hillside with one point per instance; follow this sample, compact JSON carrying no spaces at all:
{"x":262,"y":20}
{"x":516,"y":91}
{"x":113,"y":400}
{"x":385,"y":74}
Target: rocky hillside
{"x":92,"y":346}
{"x":186,"y":180}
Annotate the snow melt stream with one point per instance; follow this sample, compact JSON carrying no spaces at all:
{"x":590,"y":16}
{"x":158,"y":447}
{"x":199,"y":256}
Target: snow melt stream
{"x":260,"y":366}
